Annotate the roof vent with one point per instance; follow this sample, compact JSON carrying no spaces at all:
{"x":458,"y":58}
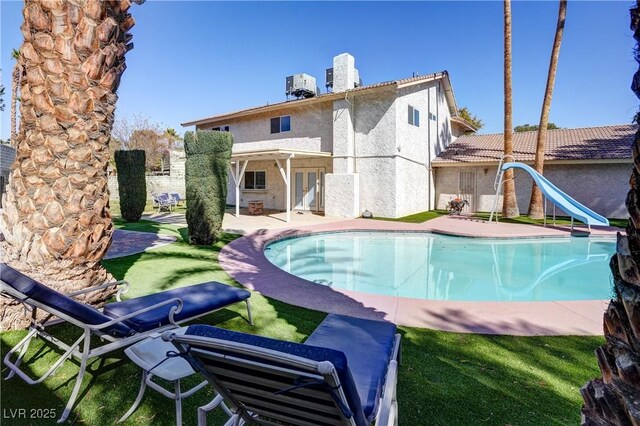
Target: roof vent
{"x":301,"y":86}
{"x":329,"y":78}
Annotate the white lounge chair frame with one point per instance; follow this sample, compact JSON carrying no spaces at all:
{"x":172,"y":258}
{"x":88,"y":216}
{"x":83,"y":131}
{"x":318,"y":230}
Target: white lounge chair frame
{"x":37,"y":328}
{"x":222,"y":375}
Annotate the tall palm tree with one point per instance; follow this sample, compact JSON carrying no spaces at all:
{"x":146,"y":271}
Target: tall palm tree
{"x":536,"y":208}
{"x":614,"y":398}
{"x":56,"y":221}
{"x":16,"y":76}
{"x":509,"y":203}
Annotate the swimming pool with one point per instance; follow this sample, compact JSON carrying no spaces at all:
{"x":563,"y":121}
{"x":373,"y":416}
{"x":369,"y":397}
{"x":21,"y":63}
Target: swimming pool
{"x":438,"y":267}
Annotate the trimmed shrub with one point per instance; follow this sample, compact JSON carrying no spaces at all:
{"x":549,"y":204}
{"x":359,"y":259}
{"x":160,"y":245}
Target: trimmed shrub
{"x":132,"y":184}
{"x":206,"y":181}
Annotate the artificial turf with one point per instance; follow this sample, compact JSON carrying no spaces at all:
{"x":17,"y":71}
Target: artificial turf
{"x":445,"y":378}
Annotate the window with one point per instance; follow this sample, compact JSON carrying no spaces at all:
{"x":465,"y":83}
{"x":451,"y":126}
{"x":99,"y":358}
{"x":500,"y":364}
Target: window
{"x":281,"y":124}
{"x":221,"y":129}
{"x":255,"y":180}
{"x":414,"y":116}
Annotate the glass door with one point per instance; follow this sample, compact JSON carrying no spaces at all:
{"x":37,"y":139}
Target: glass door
{"x":307,"y":189}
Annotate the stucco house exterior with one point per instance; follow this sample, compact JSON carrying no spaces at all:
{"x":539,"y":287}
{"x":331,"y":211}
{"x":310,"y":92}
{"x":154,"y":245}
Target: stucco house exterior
{"x":592,"y":165}
{"x":353,"y":149}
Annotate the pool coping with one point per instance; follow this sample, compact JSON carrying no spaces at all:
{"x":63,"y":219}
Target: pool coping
{"x":243,"y":259}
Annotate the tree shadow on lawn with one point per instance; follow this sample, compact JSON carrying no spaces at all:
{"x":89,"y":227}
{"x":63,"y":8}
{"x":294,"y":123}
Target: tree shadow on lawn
{"x":112,"y":382}
{"x":451,"y":378}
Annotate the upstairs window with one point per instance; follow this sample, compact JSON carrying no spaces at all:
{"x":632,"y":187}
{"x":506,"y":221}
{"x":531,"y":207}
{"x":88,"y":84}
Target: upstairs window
{"x":281,"y":124}
{"x":221,"y":129}
{"x":255,"y":180}
{"x":414,"y":116}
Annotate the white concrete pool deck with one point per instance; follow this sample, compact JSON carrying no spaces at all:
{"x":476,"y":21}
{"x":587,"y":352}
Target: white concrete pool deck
{"x":244,"y":260}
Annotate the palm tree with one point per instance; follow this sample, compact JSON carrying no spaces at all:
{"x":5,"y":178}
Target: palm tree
{"x":509,"y":203}
{"x":56,"y":221}
{"x":16,"y":76}
{"x":171,"y":136}
{"x":536,"y":209}
{"x":613,"y":398}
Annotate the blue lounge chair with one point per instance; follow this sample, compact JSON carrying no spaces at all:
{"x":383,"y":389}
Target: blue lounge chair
{"x":176,"y":197}
{"x":119,"y":325}
{"x":163,"y":201}
{"x":344,"y":374}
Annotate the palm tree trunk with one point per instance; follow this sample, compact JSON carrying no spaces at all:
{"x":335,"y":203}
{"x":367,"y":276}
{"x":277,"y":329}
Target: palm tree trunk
{"x":56,"y":221}
{"x":509,"y":202}
{"x":536,"y":209}
{"x":15,"y":84}
{"x":614,"y":398}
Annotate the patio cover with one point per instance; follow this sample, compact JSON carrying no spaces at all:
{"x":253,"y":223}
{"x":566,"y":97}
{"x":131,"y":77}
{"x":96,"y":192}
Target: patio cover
{"x":239,"y":161}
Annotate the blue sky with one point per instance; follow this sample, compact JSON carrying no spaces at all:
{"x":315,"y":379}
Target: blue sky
{"x":197,"y":59}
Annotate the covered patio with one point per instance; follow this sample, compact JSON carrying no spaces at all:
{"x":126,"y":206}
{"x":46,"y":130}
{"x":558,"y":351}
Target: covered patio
{"x":282,"y":159}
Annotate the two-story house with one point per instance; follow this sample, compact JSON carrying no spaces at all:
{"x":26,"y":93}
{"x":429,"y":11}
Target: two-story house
{"x":356,"y":148}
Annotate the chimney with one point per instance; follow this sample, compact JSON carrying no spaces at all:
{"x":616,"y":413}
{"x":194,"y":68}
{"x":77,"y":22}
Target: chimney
{"x":344,"y":73}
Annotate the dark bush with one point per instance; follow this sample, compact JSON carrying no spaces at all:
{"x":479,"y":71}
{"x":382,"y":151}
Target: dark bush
{"x":206,"y":180}
{"x":132,"y":185}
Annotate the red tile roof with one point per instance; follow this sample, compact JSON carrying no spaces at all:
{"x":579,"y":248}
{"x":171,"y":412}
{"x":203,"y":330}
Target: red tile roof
{"x":588,"y":143}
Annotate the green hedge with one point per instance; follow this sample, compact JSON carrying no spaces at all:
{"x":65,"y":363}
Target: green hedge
{"x":206,"y":180}
{"x":132,"y":184}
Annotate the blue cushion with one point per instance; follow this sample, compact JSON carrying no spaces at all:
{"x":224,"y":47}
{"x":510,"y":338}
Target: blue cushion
{"x":367,"y":345}
{"x":49,"y":297}
{"x":198,"y":300}
{"x":337,"y":358}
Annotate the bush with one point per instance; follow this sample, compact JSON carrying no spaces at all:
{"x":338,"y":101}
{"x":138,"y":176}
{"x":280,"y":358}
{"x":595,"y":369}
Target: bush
{"x":206,"y":181}
{"x":132,"y":183}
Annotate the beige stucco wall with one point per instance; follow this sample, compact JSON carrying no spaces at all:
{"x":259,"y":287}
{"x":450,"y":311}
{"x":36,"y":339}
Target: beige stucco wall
{"x":160,"y":184}
{"x":274,"y":196}
{"x":391,"y":156}
{"x":311,"y":130}
{"x":601,"y":187}
{"x":375,"y":147}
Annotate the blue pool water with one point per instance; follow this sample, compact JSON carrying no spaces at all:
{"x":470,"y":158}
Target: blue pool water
{"x":437,"y":267}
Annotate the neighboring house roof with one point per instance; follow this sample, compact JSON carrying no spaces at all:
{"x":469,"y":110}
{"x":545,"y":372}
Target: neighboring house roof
{"x":444,"y":76}
{"x":589,"y":143}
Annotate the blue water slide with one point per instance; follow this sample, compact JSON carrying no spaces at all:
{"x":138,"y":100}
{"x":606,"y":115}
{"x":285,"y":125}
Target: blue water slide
{"x":559,"y":198}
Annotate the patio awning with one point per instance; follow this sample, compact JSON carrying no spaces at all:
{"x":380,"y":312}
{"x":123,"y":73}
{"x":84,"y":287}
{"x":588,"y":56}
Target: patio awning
{"x":239,"y":161}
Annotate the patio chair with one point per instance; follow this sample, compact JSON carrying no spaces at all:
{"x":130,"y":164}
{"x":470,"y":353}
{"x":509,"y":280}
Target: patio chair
{"x":176,"y":197}
{"x":163,"y":201}
{"x":118,"y":325}
{"x":344,"y":374}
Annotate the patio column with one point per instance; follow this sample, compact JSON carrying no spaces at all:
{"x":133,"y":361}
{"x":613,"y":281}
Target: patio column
{"x":288,"y":189}
{"x":237,"y":178}
{"x":286,"y":176}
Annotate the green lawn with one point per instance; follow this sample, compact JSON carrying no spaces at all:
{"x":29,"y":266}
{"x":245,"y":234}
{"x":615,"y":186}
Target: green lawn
{"x":560,"y":220}
{"x":114,"y":208}
{"x":418,"y":217}
{"x":445,"y":378}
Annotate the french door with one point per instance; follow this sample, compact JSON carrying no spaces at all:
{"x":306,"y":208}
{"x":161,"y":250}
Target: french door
{"x":308,"y":189}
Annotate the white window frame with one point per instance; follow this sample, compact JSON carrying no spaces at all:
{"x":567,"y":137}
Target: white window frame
{"x":221,"y":129}
{"x":244,"y":180}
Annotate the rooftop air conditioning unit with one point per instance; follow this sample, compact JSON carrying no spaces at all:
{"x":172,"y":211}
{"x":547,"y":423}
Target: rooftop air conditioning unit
{"x":301,"y":86}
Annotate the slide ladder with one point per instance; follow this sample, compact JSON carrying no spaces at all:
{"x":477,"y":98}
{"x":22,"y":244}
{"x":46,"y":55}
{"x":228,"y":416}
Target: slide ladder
{"x":552,"y":193}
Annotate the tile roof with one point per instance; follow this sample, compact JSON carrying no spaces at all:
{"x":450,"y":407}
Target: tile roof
{"x":296,"y":102}
{"x":588,"y":143}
